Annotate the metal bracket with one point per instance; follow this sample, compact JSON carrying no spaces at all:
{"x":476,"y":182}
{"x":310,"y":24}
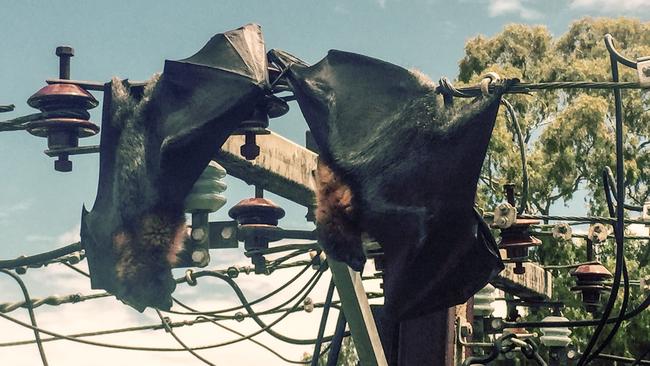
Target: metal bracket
{"x":643,"y":71}
{"x":358,"y":314}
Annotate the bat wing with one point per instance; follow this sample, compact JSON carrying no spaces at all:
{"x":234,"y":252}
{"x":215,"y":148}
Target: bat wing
{"x":155,"y":143}
{"x":413,"y":167}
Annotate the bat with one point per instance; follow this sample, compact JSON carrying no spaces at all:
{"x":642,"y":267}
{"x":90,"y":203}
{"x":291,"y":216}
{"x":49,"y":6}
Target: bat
{"x":155,"y":142}
{"x":398,"y":166}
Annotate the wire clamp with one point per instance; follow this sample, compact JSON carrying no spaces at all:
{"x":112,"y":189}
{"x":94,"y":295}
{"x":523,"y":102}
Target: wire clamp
{"x":189,"y":277}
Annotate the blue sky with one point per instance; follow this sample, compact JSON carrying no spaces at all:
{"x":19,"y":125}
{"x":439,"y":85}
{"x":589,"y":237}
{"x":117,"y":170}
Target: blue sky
{"x":40,"y":209}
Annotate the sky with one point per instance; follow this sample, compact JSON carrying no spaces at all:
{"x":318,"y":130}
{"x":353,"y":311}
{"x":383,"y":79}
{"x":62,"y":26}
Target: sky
{"x":40,"y":208}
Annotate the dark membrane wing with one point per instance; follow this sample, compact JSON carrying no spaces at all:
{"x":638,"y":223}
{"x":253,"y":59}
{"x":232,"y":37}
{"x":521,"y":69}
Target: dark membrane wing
{"x":154,"y":145}
{"x":413,"y":167}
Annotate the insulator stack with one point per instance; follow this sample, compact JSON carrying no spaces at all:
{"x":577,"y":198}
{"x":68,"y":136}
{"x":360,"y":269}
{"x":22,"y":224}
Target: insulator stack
{"x":556,"y":336}
{"x":557,"y":340}
{"x":590,"y":281}
{"x":516,"y":240}
{"x":258,"y":218}
{"x":205,"y":197}
{"x":484,"y":301}
{"x":206,"y":194}
{"x":66,"y":117}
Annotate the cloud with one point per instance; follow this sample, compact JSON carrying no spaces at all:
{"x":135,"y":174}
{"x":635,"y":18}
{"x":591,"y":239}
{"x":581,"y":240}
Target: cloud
{"x":381,"y":3}
{"x":108,"y":313}
{"x":517,"y":7}
{"x":9,"y":210}
{"x":70,"y":236}
{"x":611,"y":6}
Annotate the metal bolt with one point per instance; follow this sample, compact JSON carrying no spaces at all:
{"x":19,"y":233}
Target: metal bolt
{"x":646,"y":71}
{"x":519,"y":268}
{"x":250,"y":150}
{"x":308,"y":304}
{"x":571,"y":354}
{"x":198,"y":234}
{"x":239,"y":316}
{"x":64,"y":53}
{"x":198,"y":256}
{"x":63,"y":164}
{"x":227,"y":232}
{"x":232,"y":272}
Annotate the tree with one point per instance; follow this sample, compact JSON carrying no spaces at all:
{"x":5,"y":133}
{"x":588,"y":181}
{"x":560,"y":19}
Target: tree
{"x":347,"y":355}
{"x":569,"y":140}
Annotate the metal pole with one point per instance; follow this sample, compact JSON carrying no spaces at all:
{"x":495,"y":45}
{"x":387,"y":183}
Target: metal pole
{"x":335,"y":345}
{"x":323,"y":323}
{"x":354,"y":302}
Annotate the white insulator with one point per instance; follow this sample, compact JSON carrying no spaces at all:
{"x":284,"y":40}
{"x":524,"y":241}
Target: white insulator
{"x":483,"y":301}
{"x":504,"y":215}
{"x":205,"y":195}
{"x":308,"y":304}
{"x":562,"y":231}
{"x":555,"y":337}
{"x":598,"y":233}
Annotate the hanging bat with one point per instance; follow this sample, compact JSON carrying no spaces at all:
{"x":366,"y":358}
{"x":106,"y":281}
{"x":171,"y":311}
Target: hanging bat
{"x":397,"y":165}
{"x":155,"y":143}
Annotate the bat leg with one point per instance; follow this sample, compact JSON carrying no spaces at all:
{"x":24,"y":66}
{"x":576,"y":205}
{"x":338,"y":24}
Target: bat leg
{"x":338,"y":226}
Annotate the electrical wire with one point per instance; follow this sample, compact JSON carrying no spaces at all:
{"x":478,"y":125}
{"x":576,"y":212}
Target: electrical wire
{"x":272,"y":310}
{"x":619,"y":227}
{"x":169,"y":330}
{"x":621,"y":359}
{"x":41,"y":257}
{"x":609,"y":176}
{"x":626,"y":279}
{"x":323,"y":323}
{"x":584,"y":219}
{"x":157,"y":326}
{"x":264,"y":327}
{"x":522,"y":155}
{"x":53,"y":300}
{"x":30,"y":310}
{"x":289,"y":311}
{"x":255,"y":317}
{"x":576,"y":323}
{"x":445,"y":87}
{"x":277,"y":354}
{"x":256,"y":301}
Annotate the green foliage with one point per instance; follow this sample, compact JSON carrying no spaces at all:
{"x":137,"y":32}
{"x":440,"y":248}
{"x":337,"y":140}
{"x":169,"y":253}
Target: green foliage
{"x":347,"y":356}
{"x":569,"y":138}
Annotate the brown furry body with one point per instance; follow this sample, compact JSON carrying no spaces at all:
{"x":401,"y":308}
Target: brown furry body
{"x":336,"y":217}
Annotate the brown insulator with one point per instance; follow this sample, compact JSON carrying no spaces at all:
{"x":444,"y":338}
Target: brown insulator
{"x":62,"y":96}
{"x":65,"y":118}
{"x":590,"y":281}
{"x":256,"y":211}
{"x":516,"y":240}
{"x":258,"y":217}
